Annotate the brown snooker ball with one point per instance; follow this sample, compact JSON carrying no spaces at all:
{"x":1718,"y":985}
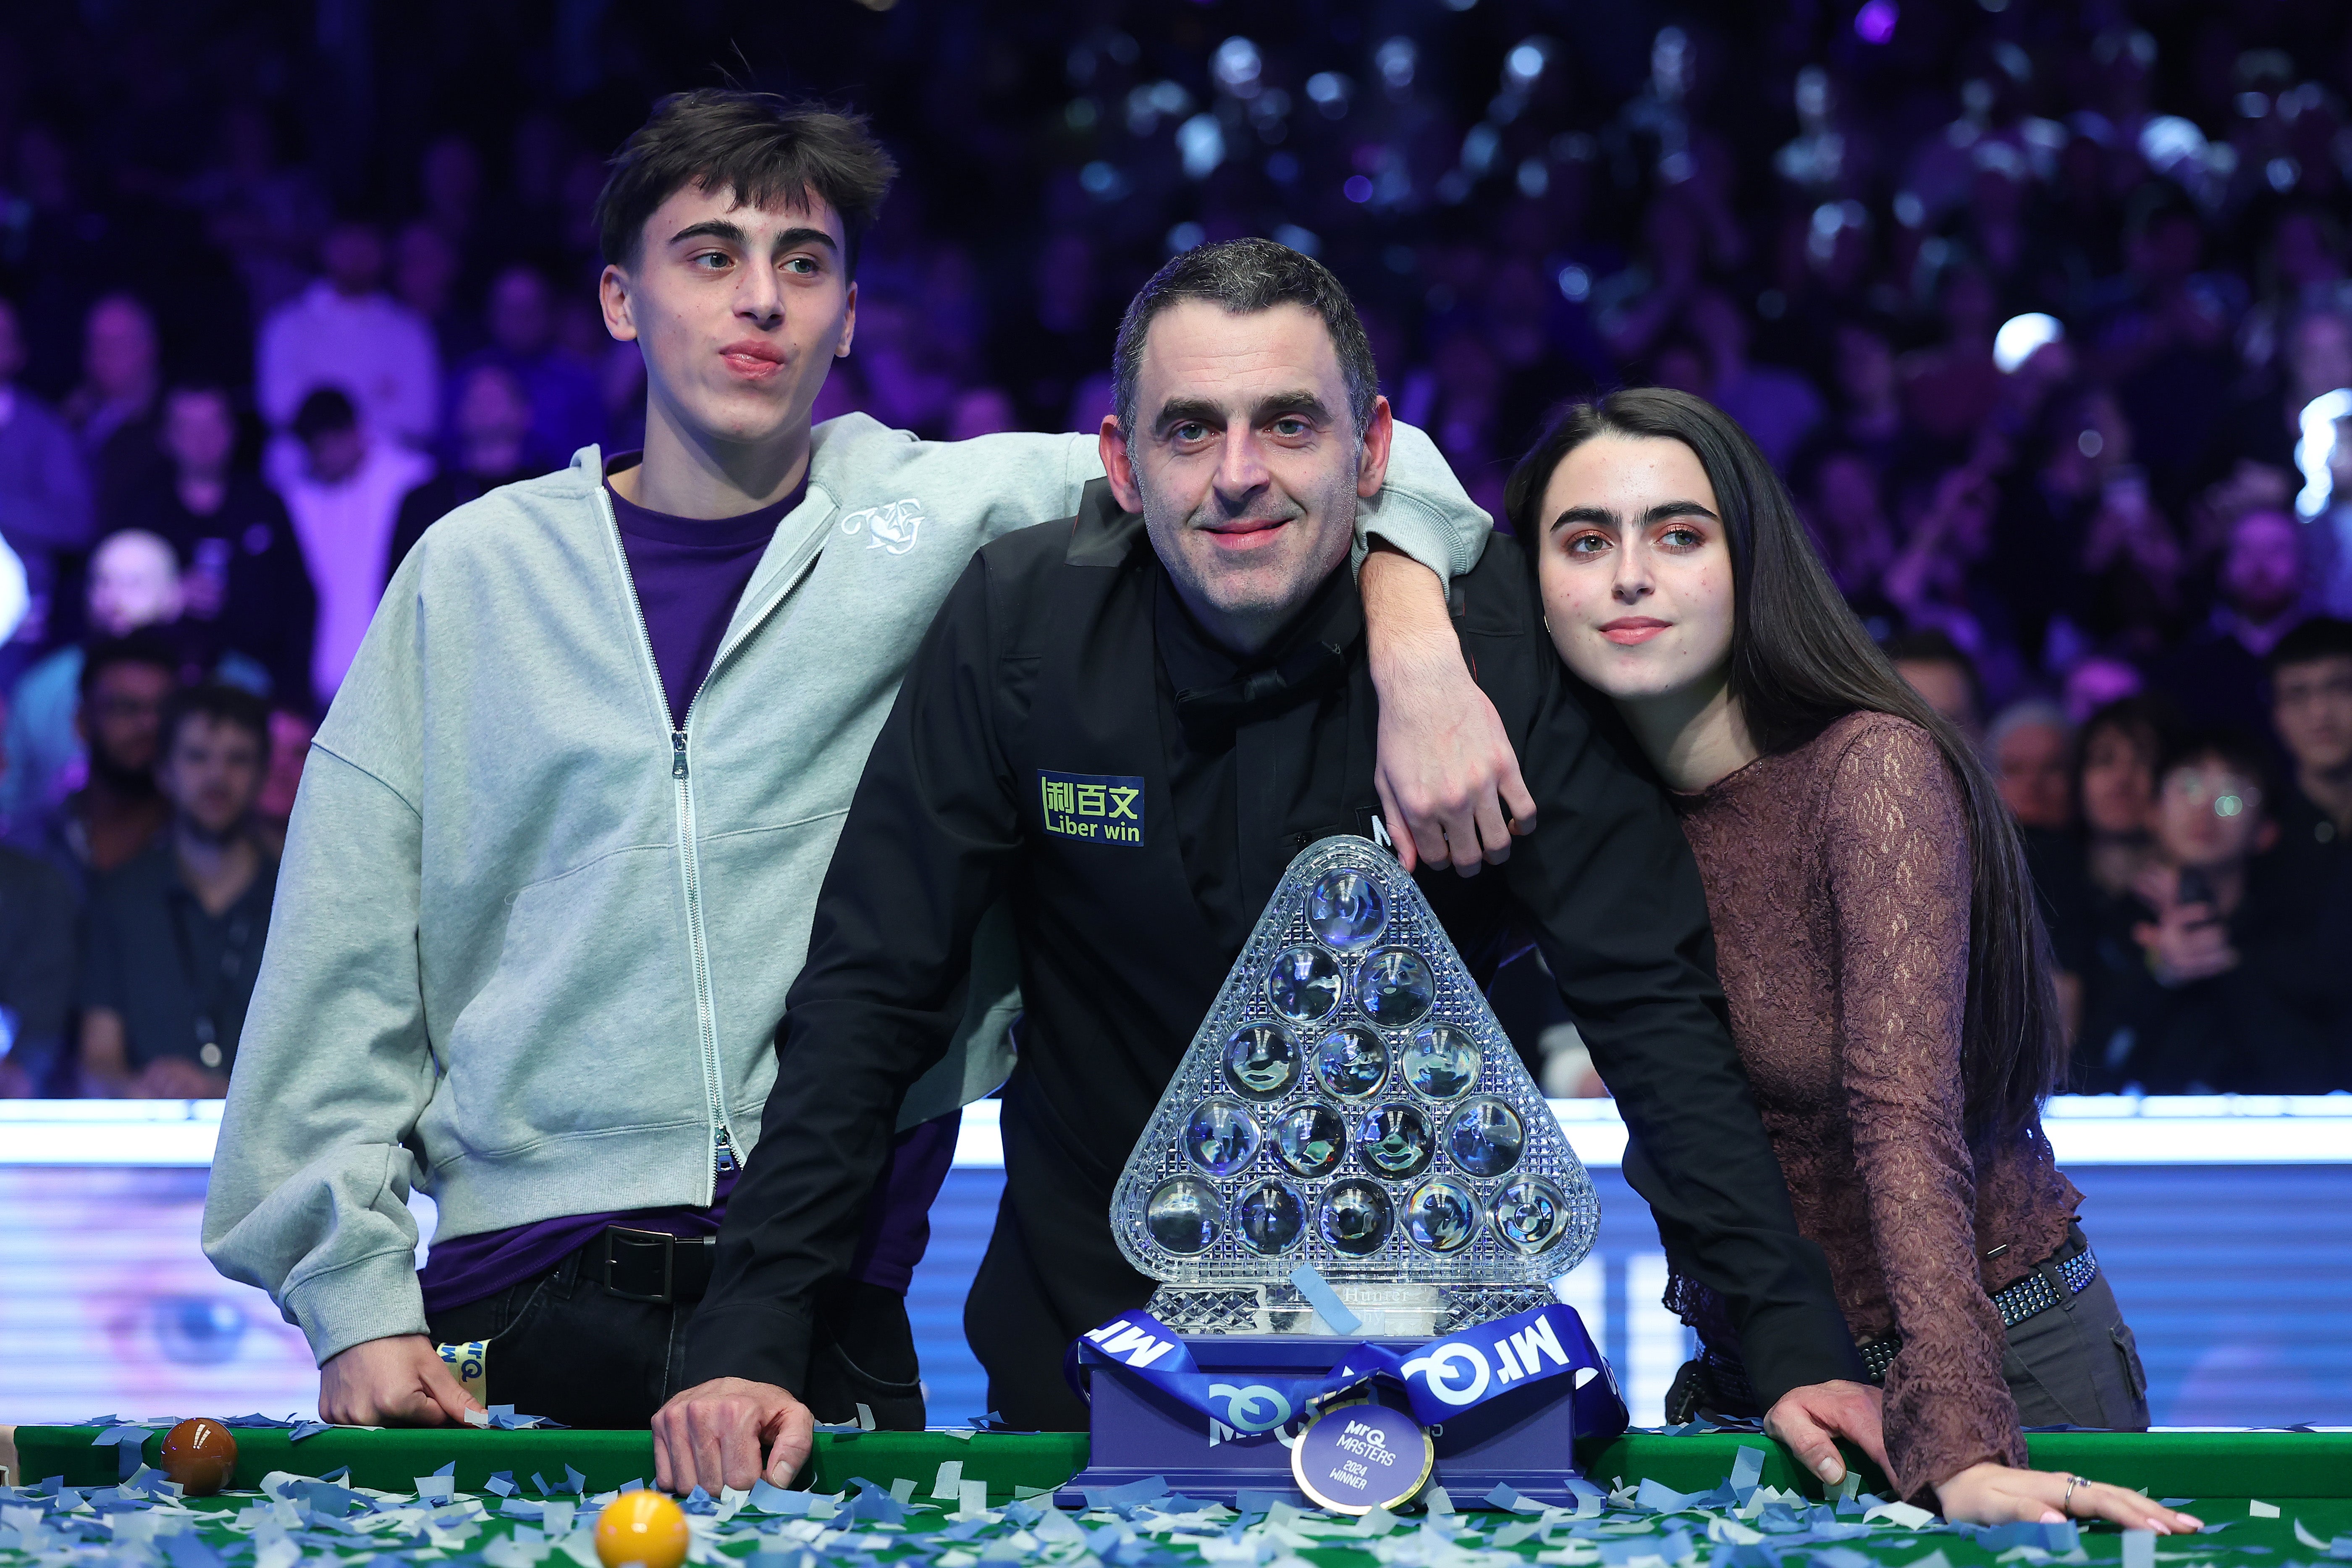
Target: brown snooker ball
{"x":200,"y":1455}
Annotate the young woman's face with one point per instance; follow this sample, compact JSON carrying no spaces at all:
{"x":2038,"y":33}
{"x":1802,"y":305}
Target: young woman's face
{"x":1634,"y":568}
{"x":2118,"y":783}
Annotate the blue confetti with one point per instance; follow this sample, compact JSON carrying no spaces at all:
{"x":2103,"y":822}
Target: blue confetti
{"x":1134,"y":1492}
{"x":1662,"y":1499}
{"x":2060,"y":1539}
{"x":1324,"y":1300}
{"x":770,"y":1498}
{"x":188,"y":1550}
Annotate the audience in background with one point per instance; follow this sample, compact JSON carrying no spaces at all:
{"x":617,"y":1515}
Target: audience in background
{"x":2044,"y":314}
{"x":133,"y":582}
{"x":2217,"y":989}
{"x":342,"y":487}
{"x":245,"y":576}
{"x":346,"y":332}
{"x":36,"y":972}
{"x":2030,"y":746}
{"x":116,"y":411}
{"x":2311,"y":712}
{"x":116,"y":812}
{"x":45,"y":506}
{"x":172,"y":938}
{"x":1937,"y":671}
{"x":491,"y":445}
{"x":290,"y":730}
{"x":566,"y":405}
{"x":2216,"y":675}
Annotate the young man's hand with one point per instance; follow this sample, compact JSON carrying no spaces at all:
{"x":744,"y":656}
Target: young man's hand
{"x":1810,"y":1419}
{"x":2188,"y":942}
{"x":1449,"y":783}
{"x":715,"y":1434}
{"x":1996,"y":1494}
{"x":397,"y":1381}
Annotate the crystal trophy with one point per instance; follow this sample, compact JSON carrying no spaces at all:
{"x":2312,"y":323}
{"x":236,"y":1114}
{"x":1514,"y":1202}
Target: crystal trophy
{"x":1350,"y":1104}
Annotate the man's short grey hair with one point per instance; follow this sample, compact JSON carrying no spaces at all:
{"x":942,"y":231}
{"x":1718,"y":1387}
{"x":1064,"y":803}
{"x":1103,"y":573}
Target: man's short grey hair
{"x":2030,"y":713}
{"x":1244,"y":276}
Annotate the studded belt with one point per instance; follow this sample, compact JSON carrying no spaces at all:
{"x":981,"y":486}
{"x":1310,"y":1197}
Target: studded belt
{"x":2034,"y":1294}
{"x":1718,"y":1382}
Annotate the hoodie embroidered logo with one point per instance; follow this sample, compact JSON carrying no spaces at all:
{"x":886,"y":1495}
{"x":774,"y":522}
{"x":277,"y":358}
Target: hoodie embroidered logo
{"x":892,"y":527}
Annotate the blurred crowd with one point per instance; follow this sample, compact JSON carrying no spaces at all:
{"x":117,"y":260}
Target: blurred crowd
{"x":2043,"y":312}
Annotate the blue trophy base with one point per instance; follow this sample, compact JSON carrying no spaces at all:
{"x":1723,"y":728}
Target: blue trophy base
{"x":1525,"y":1439}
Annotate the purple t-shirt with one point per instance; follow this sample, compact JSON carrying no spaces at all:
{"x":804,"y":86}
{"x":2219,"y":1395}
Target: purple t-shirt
{"x":688,"y":573}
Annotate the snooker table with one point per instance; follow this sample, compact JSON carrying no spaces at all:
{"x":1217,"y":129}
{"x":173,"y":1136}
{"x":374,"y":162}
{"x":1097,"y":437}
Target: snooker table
{"x":2280,"y":1497}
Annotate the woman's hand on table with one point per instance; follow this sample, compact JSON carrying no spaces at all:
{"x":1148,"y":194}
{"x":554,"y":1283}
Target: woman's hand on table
{"x":1999,"y":1494}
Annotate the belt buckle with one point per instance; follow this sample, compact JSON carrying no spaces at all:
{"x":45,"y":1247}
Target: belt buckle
{"x":669,"y":1246}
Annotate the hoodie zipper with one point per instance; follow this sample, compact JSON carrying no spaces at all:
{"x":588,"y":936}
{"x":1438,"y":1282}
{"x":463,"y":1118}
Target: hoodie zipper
{"x":724,"y":1156}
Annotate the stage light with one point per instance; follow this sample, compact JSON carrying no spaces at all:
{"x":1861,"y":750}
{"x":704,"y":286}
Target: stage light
{"x":2021,"y":337}
{"x":2315,"y":454}
{"x":1874,"y":23}
{"x":1201,"y":142}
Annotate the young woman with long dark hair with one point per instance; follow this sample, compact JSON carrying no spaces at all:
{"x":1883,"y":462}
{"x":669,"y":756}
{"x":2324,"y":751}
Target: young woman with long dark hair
{"x":1886,"y":970}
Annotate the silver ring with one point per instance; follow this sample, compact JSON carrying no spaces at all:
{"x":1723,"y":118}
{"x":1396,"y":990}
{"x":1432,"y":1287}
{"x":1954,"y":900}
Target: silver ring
{"x":2066,"y":1503}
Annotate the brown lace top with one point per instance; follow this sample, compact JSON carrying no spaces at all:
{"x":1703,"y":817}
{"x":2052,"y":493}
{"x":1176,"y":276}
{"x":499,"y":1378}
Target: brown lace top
{"x":1837,"y":876}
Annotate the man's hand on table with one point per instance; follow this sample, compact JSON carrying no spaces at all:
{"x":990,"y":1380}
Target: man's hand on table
{"x":1449,"y":783}
{"x":1997,"y":1494}
{"x":397,"y":1381}
{"x":1810,"y":1419}
{"x":713,"y":1435}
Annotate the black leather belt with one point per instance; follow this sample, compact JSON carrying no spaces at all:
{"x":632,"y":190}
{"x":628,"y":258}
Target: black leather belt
{"x":651,"y":1265}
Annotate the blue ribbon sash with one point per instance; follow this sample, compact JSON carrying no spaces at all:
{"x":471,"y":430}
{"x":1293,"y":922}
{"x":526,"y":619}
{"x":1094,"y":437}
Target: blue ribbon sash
{"x":1440,"y":1380}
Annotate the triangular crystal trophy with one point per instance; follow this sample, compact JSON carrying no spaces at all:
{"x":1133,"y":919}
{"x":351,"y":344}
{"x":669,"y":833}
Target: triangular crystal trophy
{"x":1350,"y":1104}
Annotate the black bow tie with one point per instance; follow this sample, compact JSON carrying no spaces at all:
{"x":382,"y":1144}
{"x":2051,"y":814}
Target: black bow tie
{"x":1211,"y":714}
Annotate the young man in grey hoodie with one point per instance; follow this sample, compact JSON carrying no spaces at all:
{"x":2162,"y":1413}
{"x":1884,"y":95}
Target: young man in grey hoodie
{"x":554,"y":860}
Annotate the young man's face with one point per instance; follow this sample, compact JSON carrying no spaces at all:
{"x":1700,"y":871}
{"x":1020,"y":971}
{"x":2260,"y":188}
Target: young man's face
{"x":213,"y":774}
{"x":740,"y":312}
{"x":2311,"y":706}
{"x":2208,"y":814}
{"x":1246,"y":461}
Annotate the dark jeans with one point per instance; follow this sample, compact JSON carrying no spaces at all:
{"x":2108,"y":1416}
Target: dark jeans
{"x":561,"y":1346}
{"x":2076,"y":1364}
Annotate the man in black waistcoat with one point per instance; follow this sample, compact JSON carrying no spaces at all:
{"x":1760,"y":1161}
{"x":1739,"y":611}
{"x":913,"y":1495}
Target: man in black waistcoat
{"x":1126,"y":725}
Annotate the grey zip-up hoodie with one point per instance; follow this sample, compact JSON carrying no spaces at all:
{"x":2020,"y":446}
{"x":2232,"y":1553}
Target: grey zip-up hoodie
{"x":530,"y":945}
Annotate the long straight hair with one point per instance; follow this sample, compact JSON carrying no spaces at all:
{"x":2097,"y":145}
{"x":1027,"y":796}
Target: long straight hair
{"x":1800,"y":661}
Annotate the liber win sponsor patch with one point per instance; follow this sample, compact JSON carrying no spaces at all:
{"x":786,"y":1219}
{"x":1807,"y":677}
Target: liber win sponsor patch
{"x":1099,"y":808}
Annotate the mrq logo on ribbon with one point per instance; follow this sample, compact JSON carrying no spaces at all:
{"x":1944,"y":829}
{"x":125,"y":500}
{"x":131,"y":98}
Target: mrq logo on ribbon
{"x":1442,"y":1379}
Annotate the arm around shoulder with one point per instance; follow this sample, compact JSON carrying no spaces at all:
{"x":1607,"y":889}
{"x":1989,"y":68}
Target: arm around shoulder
{"x":1422,"y":509}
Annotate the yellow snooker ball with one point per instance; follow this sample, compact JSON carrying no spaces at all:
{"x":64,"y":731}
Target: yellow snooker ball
{"x":641,"y":1527}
